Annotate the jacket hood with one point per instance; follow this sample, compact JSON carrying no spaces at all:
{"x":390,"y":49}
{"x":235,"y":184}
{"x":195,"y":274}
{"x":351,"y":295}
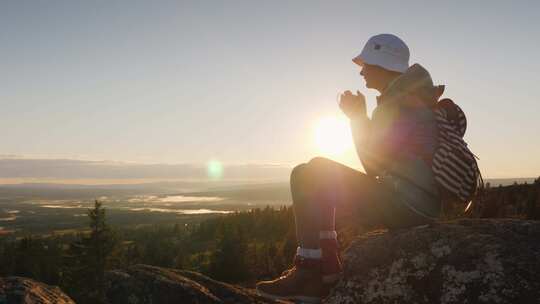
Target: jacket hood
{"x":415,"y":81}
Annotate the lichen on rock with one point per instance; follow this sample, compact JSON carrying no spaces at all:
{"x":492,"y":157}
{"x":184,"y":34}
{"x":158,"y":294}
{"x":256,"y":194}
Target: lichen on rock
{"x":462,"y":261}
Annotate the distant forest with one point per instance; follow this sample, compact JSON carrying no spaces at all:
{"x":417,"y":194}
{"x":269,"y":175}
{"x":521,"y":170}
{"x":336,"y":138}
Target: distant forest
{"x":257,"y":244}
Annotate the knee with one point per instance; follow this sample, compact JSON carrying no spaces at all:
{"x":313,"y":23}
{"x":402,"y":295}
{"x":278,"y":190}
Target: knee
{"x":300,"y":172}
{"x":318,"y":162}
{"x":297,"y":173}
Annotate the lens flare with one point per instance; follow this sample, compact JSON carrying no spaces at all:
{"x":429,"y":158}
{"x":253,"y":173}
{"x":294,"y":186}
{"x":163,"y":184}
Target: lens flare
{"x":333,"y":136}
{"x":214,"y":168}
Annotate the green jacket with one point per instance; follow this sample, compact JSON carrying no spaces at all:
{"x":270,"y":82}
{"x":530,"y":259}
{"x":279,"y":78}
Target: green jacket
{"x":397,"y":144}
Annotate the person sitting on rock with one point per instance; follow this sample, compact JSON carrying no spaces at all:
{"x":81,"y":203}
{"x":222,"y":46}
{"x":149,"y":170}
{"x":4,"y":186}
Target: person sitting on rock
{"x":398,"y":189}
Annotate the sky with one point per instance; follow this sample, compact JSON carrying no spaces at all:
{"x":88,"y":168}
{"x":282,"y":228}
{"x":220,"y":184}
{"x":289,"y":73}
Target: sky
{"x":249,"y":82}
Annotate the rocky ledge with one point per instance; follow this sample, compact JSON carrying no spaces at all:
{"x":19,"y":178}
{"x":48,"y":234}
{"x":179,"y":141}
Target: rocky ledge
{"x":149,"y":284}
{"x":15,"y":290}
{"x":463,"y":261}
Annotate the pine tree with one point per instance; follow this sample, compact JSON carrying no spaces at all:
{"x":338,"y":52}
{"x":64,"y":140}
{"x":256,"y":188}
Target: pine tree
{"x":228,"y":260}
{"x":89,"y":257}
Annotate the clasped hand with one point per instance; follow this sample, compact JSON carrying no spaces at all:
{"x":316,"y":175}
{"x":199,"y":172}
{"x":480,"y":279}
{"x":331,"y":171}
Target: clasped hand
{"x":354,"y":106}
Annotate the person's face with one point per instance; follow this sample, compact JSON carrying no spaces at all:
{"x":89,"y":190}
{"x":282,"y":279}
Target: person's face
{"x":373,"y":75}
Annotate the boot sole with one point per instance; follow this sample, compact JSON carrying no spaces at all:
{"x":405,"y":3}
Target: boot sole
{"x":302,"y":299}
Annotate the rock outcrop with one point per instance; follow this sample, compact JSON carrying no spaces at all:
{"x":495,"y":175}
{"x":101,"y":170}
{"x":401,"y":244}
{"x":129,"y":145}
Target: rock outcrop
{"x":148,"y":284}
{"x":462,"y":261}
{"x":18,"y":290}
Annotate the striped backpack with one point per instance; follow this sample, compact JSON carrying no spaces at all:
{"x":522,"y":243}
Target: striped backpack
{"x":454,"y":165}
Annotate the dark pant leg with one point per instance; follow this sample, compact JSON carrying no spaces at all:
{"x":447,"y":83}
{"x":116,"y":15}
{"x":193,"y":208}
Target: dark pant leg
{"x":306,"y":217}
{"x":322,"y":184}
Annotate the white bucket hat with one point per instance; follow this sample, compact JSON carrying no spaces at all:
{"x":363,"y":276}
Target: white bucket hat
{"x":387,"y":51}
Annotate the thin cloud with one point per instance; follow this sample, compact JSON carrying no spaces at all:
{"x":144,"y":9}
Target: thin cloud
{"x":82,"y":169}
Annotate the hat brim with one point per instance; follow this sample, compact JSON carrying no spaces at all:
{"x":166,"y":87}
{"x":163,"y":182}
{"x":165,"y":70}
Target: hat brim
{"x":358,"y":61}
{"x":394,"y":68}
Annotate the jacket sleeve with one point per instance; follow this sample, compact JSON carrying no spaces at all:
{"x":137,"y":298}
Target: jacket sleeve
{"x":361,"y":129}
{"x":380,"y":141}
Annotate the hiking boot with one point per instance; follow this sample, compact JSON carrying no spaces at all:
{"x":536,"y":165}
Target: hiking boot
{"x":331,"y":267}
{"x":301,"y":283}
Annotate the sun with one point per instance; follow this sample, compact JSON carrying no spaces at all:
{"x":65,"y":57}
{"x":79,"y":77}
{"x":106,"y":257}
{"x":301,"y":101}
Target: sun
{"x":332,"y":136}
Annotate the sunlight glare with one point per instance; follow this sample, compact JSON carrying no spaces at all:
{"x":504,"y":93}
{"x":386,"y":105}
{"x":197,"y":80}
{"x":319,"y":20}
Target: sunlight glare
{"x":333,"y":136}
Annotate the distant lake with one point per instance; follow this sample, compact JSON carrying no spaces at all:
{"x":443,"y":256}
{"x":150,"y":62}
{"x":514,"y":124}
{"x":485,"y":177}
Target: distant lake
{"x":148,"y":203}
{"x":42,"y":215}
{"x":174,"y":199}
{"x":494,"y":182}
{"x":180,"y":211}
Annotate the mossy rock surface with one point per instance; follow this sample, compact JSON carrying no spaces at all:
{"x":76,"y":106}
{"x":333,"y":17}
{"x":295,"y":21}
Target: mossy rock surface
{"x":462,"y":261}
